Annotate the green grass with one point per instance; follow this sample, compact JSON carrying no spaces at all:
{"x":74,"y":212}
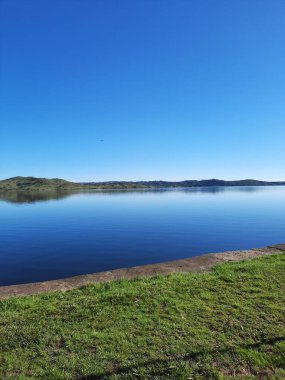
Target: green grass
{"x":226,"y":324}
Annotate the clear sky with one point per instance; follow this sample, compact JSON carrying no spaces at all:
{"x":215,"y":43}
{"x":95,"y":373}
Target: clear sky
{"x":143,"y":89}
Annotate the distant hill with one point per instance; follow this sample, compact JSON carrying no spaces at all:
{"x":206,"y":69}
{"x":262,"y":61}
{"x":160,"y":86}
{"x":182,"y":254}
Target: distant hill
{"x":32,"y":183}
{"x":187,"y":183}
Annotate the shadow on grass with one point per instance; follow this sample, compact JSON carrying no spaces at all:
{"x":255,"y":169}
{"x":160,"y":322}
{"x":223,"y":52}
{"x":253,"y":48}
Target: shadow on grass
{"x":186,"y":357}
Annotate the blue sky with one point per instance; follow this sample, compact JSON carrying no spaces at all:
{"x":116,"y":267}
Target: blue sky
{"x":176,"y":89}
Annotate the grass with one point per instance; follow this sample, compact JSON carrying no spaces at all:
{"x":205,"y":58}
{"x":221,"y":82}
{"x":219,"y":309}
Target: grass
{"x":226,"y":324}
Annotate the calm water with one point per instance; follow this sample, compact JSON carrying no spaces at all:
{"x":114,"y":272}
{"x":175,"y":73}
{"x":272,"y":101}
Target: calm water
{"x":48,"y":236}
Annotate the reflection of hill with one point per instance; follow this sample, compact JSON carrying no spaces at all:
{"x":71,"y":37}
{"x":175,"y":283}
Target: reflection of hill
{"x":21,"y":196}
{"x":32,"y":196}
{"x":221,"y":189}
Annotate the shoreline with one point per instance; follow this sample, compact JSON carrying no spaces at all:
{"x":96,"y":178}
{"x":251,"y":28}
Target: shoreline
{"x":194,"y":264}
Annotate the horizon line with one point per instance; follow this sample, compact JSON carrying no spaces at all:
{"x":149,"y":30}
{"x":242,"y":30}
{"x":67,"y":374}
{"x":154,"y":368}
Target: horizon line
{"x":143,"y":180}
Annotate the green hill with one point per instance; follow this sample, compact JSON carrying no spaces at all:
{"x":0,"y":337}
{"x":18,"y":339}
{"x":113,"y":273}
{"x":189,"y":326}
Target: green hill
{"x":32,"y":183}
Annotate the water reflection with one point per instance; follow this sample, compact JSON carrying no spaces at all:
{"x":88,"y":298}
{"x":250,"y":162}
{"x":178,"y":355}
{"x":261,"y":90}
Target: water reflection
{"x":46,"y":195}
{"x":32,"y":196}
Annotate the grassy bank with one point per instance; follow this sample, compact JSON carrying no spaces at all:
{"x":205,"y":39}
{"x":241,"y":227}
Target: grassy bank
{"x":221,"y":325}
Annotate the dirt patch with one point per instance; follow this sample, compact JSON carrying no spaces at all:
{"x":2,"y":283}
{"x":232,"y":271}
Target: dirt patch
{"x":193,"y":264}
{"x":280,"y":247}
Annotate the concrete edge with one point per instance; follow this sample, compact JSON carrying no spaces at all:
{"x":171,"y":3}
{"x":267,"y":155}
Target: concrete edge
{"x":193,"y":264}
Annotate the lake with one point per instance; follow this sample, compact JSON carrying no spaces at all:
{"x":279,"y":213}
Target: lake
{"x":46,"y":236}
